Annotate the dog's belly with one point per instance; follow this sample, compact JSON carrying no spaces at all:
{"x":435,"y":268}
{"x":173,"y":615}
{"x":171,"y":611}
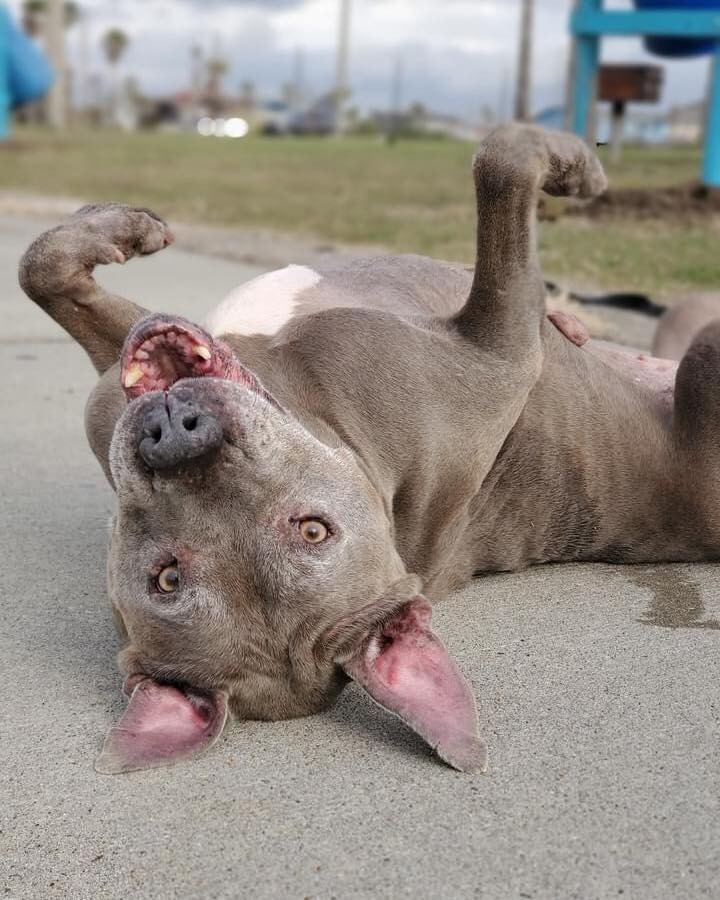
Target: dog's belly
{"x":264,"y":305}
{"x":656,"y":374}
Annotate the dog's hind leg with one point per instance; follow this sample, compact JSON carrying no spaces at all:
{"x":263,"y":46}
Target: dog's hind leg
{"x":57,"y":273}
{"x":696,"y":426}
{"x":506,"y":306}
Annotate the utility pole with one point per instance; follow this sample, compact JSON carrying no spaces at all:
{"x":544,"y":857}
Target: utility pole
{"x":570,"y":77}
{"x":55,"y":36}
{"x":396,"y":99}
{"x":82,"y":68}
{"x":341,"y":76}
{"x":504,"y":95}
{"x":197,"y":74}
{"x":299,"y":79}
{"x":522,"y":92}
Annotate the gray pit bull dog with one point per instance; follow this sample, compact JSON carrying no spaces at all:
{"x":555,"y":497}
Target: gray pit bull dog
{"x":295,"y":478}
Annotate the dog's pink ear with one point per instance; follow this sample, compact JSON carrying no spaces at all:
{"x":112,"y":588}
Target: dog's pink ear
{"x":406,"y":669}
{"x":162,"y":725}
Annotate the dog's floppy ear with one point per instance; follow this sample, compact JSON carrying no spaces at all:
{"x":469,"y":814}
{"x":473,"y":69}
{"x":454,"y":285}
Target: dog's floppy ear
{"x":407,"y":670}
{"x":162,"y":724}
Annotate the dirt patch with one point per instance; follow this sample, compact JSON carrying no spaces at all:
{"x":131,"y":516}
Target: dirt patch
{"x":684,"y":202}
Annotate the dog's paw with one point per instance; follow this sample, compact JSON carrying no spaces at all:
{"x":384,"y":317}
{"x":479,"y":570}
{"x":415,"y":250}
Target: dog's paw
{"x":560,"y":164}
{"x":573,"y":169}
{"x":60,"y":262}
{"x":122,"y":231}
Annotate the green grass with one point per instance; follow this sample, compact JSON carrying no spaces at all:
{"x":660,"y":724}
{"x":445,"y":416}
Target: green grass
{"x":413,"y":196}
{"x":652,"y":167}
{"x":651,"y":257}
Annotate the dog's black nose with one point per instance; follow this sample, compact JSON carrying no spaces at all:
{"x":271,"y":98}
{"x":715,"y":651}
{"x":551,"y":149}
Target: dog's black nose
{"x":176,"y":431}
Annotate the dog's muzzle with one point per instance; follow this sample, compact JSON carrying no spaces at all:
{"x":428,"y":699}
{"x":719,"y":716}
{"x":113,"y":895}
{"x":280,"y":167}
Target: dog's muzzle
{"x":176,"y":431}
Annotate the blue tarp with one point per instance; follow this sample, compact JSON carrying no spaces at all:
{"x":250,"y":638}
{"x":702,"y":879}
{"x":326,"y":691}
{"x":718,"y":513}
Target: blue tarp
{"x":24,"y":72}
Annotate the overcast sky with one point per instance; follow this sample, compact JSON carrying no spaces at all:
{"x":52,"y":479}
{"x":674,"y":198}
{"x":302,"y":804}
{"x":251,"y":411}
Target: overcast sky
{"x":458,"y":55}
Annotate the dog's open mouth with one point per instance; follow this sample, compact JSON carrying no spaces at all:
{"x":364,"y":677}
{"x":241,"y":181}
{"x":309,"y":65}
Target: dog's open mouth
{"x":161,"y":350}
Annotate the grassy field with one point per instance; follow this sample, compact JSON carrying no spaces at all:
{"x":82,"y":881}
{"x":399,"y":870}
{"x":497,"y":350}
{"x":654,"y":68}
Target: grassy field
{"x":413,"y":196}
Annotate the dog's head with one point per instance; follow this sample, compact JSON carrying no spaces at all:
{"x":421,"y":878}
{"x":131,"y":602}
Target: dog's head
{"x":252,"y":567}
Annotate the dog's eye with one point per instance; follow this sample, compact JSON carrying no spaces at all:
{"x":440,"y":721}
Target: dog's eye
{"x":168,"y":579}
{"x":312,"y":531}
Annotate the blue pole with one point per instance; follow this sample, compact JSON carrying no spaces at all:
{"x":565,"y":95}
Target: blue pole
{"x":584,"y":93}
{"x":4,"y":69}
{"x":711,"y":159}
{"x":587,"y":54}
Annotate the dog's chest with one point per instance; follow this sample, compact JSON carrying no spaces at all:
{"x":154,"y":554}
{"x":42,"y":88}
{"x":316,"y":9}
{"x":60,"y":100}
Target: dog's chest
{"x":264,"y":305}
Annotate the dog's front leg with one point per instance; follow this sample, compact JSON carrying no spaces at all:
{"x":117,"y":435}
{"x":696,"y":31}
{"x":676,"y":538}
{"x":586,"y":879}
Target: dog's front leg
{"x":56,"y":272}
{"x":506,"y":306}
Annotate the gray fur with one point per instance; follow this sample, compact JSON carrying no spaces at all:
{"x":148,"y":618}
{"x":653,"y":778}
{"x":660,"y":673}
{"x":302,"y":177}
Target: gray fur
{"x":433,"y":414}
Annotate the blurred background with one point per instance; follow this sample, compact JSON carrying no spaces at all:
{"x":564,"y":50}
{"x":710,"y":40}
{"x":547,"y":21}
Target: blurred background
{"x":337,"y":123}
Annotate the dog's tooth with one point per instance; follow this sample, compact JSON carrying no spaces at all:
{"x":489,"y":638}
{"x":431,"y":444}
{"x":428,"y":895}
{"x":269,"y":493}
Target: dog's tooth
{"x":202,"y":351}
{"x":133,"y":375}
{"x":141,"y":354}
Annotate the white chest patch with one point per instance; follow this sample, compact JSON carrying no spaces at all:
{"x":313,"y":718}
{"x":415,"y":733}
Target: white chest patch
{"x":263,"y":305}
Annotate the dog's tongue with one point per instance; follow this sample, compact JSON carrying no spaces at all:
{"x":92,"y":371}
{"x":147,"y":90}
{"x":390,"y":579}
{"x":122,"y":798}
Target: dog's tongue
{"x":162,"y":725}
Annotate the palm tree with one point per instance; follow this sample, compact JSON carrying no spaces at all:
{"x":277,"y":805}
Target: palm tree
{"x":114,"y":44}
{"x":38,"y":25}
{"x":248,"y":94}
{"x":33,"y":12}
{"x":217,"y":67}
{"x":73,"y":13}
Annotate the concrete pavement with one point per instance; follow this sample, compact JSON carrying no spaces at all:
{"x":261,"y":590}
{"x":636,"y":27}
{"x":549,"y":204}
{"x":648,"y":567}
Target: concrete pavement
{"x":598,"y":689}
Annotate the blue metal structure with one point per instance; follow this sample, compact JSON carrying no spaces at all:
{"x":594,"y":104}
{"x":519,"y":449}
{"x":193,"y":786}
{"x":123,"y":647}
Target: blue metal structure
{"x":24,"y":72}
{"x":4,"y":72}
{"x":590,"y":23}
{"x":674,"y":47}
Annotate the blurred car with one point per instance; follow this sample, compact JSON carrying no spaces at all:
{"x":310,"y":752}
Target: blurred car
{"x":275,"y":117}
{"x":316,"y":119}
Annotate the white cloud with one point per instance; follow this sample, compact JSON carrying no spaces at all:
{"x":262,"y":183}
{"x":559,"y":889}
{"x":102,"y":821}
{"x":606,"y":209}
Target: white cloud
{"x":458,"y":55}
